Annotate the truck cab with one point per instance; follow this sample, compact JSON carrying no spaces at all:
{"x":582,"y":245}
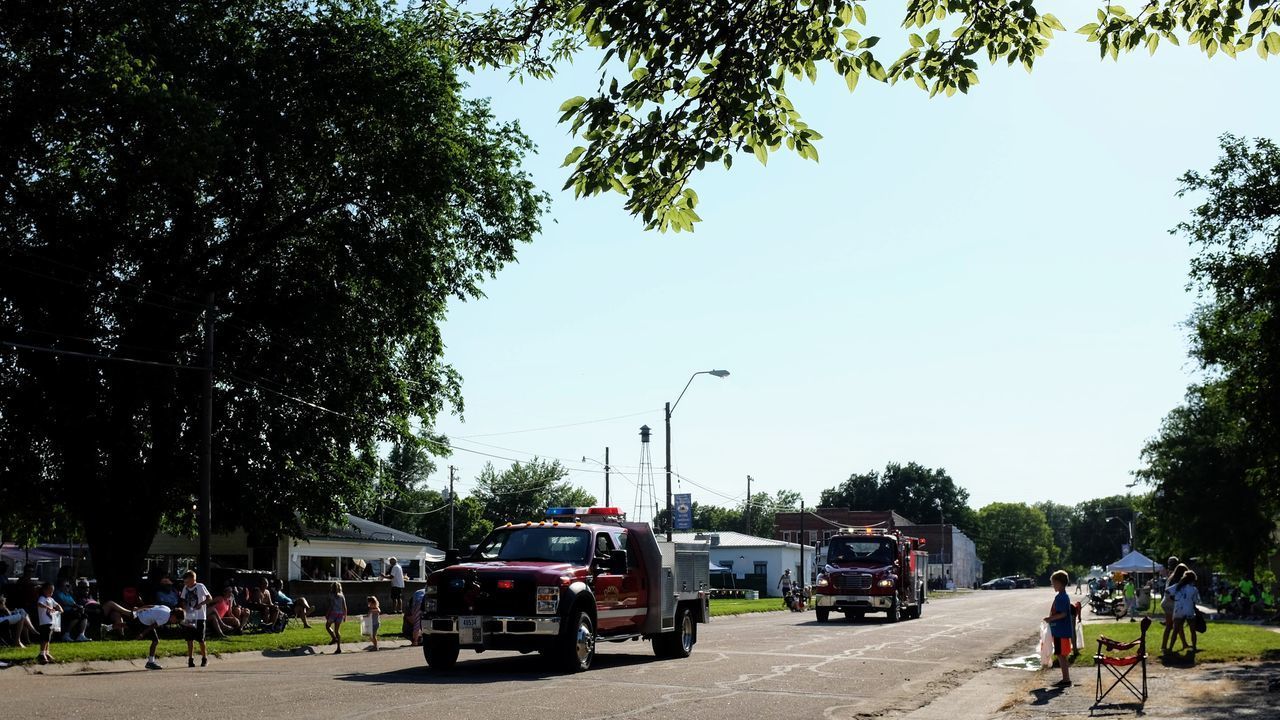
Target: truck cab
{"x":872,"y":570}
{"x":561,"y":585}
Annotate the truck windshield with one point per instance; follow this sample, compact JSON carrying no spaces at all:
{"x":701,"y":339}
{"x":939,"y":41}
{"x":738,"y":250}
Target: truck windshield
{"x":879,"y":551}
{"x":546,"y":544}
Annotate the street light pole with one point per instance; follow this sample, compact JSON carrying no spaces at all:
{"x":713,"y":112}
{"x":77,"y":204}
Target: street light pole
{"x":668,"y":409}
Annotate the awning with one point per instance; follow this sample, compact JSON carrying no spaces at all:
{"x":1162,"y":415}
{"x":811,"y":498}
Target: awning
{"x":433,"y":554}
{"x":719,"y":568}
{"x":1134,"y":562}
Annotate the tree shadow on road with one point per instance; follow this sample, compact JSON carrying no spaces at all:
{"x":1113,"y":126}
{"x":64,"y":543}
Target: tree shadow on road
{"x":520,"y":668}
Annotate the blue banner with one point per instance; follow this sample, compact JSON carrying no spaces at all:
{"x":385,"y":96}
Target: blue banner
{"x":683,"y":511}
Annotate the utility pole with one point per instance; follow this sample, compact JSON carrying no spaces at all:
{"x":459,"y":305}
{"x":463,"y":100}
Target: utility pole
{"x":606,"y":476}
{"x":206,"y":441}
{"x":802,"y":543}
{"x":746,"y":514}
{"x":452,"y":502}
{"x":668,"y":416}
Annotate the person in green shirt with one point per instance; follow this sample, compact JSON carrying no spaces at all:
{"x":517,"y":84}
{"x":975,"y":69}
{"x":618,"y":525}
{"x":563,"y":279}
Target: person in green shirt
{"x":1130,"y":598}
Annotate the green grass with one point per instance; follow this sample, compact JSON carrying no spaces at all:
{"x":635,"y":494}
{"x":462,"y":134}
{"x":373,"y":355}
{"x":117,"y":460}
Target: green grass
{"x":292,"y":638}
{"x":740,"y":607}
{"x":1224,"y":642}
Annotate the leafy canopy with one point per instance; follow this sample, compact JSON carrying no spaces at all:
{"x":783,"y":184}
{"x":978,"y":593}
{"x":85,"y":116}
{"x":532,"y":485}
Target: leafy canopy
{"x":314,"y":168}
{"x":921,"y":494}
{"x":1013,"y":538}
{"x":685,"y":85}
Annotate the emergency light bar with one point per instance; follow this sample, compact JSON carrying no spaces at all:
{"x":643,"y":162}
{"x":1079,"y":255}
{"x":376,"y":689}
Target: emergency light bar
{"x":572,"y":511}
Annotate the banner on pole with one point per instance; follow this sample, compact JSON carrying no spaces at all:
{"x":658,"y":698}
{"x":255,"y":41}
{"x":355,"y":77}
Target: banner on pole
{"x":683,"y":511}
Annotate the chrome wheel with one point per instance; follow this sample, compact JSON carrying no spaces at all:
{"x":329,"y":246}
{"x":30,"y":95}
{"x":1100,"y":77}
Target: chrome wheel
{"x":585,"y":642}
{"x":686,"y":634}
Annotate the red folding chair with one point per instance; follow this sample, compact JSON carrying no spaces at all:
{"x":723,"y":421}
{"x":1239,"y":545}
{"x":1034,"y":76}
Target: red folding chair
{"x":1120,"y":666}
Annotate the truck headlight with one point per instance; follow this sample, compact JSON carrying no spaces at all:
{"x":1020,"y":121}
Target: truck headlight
{"x":822,"y":581}
{"x":887,"y":582}
{"x":548,"y":599}
{"x":429,"y":605}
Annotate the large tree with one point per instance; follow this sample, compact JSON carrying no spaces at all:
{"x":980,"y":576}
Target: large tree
{"x":686,"y":85}
{"x":1013,"y":538}
{"x":1220,"y":451}
{"x":921,"y":494}
{"x":310,"y":166}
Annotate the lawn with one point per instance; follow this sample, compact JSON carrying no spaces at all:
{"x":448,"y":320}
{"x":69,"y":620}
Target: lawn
{"x":292,"y":638}
{"x":1224,"y":642}
{"x":740,"y":607}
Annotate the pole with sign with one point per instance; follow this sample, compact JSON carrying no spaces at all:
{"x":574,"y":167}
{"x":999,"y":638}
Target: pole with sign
{"x":683,"y":511}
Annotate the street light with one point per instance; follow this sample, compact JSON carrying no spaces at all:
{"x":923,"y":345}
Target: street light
{"x":670,"y":408}
{"x":1129,"y":524}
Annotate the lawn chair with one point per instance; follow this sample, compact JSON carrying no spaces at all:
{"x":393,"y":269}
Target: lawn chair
{"x":1121,"y":666}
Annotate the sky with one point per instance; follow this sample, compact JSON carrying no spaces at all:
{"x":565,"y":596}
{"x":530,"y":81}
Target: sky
{"x":982,"y":283}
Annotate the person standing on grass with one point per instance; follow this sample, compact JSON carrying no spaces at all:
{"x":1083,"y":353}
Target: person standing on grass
{"x":46,"y":606}
{"x":1130,"y":598}
{"x":396,"y":573}
{"x":1184,"y":610}
{"x":1061,"y":621}
{"x":337,"y":613}
{"x":374,"y":622}
{"x":1167,"y":602}
{"x":195,"y":597}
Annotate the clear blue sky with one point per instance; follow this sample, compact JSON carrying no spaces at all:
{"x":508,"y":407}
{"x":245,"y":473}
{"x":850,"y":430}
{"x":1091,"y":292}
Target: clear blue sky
{"x":984,"y":284}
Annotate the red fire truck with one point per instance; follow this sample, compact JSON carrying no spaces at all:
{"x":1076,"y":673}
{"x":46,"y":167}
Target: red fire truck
{"x":872,"y":570}
{"x":562,"y":585}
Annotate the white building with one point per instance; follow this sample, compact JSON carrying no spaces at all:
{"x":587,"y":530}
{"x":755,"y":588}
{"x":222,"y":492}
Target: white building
{"x":750,"y":555}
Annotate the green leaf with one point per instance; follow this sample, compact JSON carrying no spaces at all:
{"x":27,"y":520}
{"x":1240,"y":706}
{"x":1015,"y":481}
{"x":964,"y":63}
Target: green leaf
{"x":861,"y":14}
{"x":851,"y":79}
{"x":932,"y":37}
{"x":573,"y":156}
{"x":572,"y":103}
{"x":761,"y":154}
{"x":1087,"y":29}
{"x":845,"y":15}
{"x":1052,"y":21}
{"x":876,"y":71}
{"x":915,"y":40}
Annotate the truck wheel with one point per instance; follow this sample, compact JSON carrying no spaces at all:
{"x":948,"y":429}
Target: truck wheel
{"x":677,"y":644}
{"x":440,"y":652}
{"x":823,"y":614}
{"x":578,"y":642}
{"x":895,"y":613}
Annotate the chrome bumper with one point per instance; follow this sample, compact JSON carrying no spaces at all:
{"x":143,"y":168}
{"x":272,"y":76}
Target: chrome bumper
{"x":547,"y":625}
{"x":855,"y":602}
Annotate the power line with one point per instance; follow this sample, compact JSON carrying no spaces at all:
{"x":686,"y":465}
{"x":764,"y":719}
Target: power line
{"x":95,"y":356}
{"x":557,"y":427}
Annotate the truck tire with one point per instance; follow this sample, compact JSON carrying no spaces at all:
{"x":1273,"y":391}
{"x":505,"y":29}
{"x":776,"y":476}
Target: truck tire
{"x":823,"y":614}
{"x":441,"y":653}
{"x":894,"y":613}
{"x":577,"y":640}
{"x":679,"y":643}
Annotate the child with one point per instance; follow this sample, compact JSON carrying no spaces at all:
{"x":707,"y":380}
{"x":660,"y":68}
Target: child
{"x":337,"y":613}
{"x":195,"y":597}
{"x":1184,"y":610}
{"x":374,"y":613}
{"x":46,"y":606}
{"x":1061,"y":623}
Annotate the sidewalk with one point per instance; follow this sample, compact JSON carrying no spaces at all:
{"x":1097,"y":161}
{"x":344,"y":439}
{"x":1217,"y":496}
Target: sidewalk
{"x":1215,"y":691}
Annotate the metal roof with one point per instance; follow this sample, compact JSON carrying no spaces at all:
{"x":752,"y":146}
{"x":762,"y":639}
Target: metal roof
{"x":729,"y":538}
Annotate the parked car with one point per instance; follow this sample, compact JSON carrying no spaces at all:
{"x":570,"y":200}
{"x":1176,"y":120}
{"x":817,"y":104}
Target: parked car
{"x":1003,"y":583}
{"x":1024,"y":582}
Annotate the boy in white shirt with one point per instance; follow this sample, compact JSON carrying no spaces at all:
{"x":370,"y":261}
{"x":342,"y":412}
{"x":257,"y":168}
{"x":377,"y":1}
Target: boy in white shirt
{"x":195,"y":597}
{"x":46,"y":608}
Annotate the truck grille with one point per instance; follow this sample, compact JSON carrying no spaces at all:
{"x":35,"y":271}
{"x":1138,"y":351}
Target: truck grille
{"x":489,"y":600}
{"x":846,"y":581}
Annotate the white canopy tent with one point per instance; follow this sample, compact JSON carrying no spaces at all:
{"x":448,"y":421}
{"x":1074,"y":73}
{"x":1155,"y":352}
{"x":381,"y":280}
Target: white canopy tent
{"x":1134,"y":562}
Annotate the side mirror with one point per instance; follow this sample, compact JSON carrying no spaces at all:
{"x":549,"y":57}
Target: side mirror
{"x":451,"y":556}
{"x":617,"y":562}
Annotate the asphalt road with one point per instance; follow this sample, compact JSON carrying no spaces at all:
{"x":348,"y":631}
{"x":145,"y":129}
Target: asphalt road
{"x":772,"y":665}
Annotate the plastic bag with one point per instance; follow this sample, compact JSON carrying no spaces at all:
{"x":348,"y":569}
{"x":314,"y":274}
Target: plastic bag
{"x":1079,"y":646}
{"x":366,"y":625}
{"x":1046,"y":645}
{"x":57,"y":621}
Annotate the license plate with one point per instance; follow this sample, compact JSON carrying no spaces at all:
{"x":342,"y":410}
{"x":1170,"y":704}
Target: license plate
{"x":470,"y":630}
